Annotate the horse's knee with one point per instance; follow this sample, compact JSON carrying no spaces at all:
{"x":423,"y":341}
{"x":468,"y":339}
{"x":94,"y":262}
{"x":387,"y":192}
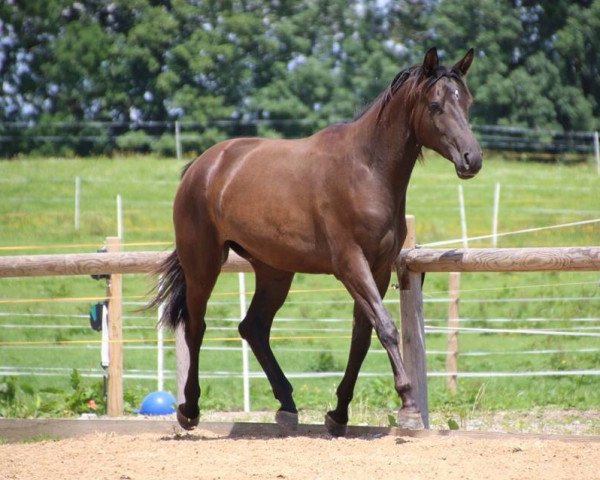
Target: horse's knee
{"x":388,"y":335}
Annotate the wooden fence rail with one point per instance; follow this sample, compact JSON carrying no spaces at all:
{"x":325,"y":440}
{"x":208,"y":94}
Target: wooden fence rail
{"x":416,"y":260}
{"x":96,"y":264}
{"x":503,"y":259}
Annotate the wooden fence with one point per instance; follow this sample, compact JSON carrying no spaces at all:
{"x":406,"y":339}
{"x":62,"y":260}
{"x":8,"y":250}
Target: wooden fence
{"x":414,"y":259}
{"x":411,"y":263}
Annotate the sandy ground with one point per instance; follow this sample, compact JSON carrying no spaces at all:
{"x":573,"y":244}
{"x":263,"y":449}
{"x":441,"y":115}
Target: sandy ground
{"x":206,"y":455}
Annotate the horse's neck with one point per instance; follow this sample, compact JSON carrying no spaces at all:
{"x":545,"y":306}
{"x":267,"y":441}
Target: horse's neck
{"x":390,"y":144}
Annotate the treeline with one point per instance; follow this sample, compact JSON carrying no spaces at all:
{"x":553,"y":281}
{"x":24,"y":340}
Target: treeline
{"x":280,"y":67}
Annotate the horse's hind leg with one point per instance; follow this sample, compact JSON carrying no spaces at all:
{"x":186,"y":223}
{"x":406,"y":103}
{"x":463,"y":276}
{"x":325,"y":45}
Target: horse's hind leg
{"x":201,"y":264}
{"x":272,"y":287}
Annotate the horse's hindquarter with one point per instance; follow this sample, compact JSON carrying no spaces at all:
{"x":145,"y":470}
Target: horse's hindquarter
{"x":262,"y":197}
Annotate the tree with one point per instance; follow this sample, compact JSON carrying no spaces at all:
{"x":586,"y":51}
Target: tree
{"x":245,"y":67}
{"x":577,"y":48}
{"x":537,"y":61}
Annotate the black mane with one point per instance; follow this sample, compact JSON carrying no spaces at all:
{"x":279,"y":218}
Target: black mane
{"x":422,"y":82}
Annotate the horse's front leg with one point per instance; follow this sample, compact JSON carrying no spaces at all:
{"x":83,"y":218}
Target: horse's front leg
{"x":358,"y":279}
{"x":337,"y":420}
{"x":362,"y":328}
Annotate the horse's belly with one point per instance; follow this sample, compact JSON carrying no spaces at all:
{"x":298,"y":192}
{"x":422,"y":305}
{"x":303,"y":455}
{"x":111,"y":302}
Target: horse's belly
{"x":282,"y":247}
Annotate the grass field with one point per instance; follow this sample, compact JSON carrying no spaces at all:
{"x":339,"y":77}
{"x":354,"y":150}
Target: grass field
{"x":43,"y":321}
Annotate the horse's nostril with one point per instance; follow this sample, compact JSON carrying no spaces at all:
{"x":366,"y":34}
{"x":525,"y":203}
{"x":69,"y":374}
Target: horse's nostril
{"x":467,"y":163}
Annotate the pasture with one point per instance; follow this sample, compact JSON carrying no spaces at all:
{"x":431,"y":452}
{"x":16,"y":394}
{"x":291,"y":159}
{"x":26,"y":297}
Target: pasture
{"x":508,"y":361}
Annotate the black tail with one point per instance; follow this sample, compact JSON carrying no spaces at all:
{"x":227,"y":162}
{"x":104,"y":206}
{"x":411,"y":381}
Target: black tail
{"x":170,"y":291}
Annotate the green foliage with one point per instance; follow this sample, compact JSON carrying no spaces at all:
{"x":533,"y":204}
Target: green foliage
{"x":535,"y":62}
{"x":135,"y":141}
{"x":83,"y":398}
{"x":453,"y":424}
{"x":18,"y":399}
{"x":326,"y":362}
{"x":132,"y":397}
{"x":392,"y":421}
{"x":8,"y":390}
{"x":298,"y":65}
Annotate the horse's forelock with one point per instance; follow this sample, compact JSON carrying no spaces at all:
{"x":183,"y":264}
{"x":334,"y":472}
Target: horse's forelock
{"x":443,"y":72}
{"x":418,"y":81}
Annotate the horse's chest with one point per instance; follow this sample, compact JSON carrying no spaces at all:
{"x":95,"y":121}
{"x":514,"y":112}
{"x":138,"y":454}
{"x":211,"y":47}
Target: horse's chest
{"x":378,"y":237}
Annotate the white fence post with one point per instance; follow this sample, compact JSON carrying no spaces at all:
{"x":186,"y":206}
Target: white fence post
{"x":178,"y":139}
{"x":119,"y":217}
{"x":495,"y":215}
{"x":463,"y":216}
{"x":452,"y":336}
{"x":77,"y":195}
{"x":597,"y":151}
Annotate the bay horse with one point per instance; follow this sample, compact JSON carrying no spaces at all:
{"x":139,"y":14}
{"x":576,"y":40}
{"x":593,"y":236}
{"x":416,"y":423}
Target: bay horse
{"x":331,"y":203}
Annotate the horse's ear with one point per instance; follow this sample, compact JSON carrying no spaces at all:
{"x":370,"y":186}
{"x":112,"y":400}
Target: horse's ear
{"x":431,"y":61}
{"x":463,"y":65}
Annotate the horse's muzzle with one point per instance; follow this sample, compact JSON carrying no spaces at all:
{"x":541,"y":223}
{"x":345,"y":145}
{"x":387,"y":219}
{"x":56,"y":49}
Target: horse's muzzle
{"x":469,"y":164}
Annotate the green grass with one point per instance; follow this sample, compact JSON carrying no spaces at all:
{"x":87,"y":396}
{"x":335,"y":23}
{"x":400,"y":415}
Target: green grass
{"x":36,"y":216}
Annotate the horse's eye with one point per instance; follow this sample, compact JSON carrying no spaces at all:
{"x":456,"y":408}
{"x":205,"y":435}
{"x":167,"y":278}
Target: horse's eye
{"x":435,"y":107}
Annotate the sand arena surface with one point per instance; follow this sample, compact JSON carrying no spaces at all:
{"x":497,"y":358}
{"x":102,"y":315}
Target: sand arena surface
{"x":204,"y":454}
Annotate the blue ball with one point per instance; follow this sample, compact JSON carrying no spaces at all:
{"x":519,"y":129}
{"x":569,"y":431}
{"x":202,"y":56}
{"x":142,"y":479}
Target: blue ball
{"x":158,"y":403}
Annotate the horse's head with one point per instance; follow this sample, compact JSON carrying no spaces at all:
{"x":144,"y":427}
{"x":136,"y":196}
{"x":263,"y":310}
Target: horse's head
{"x":441,"y":115}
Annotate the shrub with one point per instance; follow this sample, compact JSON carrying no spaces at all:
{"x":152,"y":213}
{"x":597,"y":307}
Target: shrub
{"x":135,"y":141}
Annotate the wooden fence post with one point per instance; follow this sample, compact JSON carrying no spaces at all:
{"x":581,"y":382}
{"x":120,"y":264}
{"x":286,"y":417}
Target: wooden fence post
{"x":413,"y":326}
{"x":114,"y":402}
{"x":452,"y":345}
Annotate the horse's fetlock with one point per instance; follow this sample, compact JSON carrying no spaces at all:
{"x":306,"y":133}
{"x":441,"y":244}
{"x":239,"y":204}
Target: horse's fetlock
{"x":404,"y":387}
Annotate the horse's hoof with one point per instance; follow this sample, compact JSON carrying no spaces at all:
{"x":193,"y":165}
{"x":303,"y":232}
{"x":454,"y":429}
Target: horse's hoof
{"x":185,"y":422}
{"x":287,"y":420}
{"x":334,"y":428}
{"x":410,"y":419}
